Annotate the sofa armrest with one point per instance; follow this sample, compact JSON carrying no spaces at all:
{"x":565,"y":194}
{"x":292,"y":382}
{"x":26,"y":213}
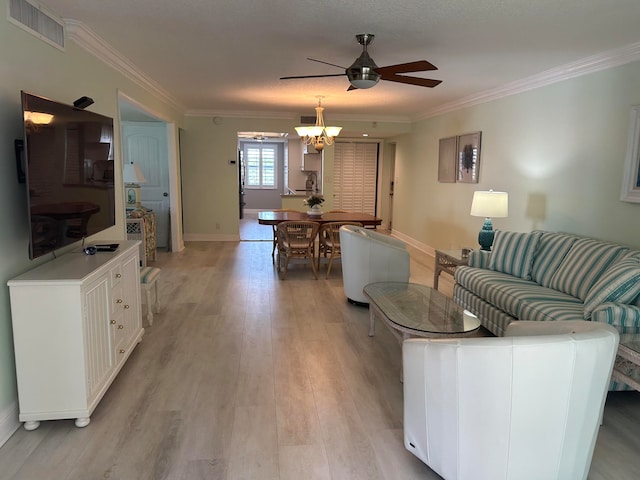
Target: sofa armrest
{"x":479,"y":258}
{"x":521,"y":328}
{"x":625,"y":318}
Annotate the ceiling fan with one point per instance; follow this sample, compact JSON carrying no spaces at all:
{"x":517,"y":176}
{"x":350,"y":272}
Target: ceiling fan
{"x":364,"y":73}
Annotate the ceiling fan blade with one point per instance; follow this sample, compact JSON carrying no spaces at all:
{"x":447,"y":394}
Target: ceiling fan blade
{"x":315,"y":76}
{"x":326,"y":63}
{"x":419,"y":66}
{"x":421,"y":82}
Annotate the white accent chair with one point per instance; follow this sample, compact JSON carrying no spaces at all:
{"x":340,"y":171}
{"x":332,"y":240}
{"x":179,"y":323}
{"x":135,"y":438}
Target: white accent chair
{"x":524,"y":406}
{"x":368,"y":257}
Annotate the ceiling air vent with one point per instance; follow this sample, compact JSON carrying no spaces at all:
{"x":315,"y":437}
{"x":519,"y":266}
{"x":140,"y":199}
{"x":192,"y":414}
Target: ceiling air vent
{"x":34,"y":19}
{"x":307,"y":120}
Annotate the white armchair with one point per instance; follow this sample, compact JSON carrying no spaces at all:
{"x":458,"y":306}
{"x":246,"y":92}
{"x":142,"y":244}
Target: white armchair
{"x":368,"y":257}
{"x":524,"y":406}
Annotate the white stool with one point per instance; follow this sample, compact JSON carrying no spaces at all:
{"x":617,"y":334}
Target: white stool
{"x":148,"y":279}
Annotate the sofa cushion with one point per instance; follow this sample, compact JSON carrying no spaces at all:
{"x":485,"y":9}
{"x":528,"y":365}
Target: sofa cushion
{"x":619,"y":284}
{"x":513,"y":253}
{"x":586,"y":261}
{"x":549,"y":309}
{"x":552,"y":249}
{"x":497,"y":288}
{"x":510,"y":294}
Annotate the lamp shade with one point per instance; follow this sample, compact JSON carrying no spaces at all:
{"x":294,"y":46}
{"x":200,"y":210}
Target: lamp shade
{"x":133,"y":174}
{"x":490,"y":204}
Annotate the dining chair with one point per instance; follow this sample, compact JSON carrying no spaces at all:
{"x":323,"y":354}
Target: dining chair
{"x":275,"y":231}
{"x":296,"y":239}
{"x":329,"y":241}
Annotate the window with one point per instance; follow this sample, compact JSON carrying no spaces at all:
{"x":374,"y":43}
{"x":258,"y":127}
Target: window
{"x":260,"y":166}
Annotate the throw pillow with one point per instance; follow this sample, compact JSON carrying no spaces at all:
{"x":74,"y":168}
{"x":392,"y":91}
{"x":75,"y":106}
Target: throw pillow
{"x":620,"y":284}
{"x":552,"y":249}
{"x":587,"y":260}
{"x":513,"y":253}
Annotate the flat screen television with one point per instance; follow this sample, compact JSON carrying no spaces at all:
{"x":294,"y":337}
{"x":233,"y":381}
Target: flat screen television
{"x":68,"y":156}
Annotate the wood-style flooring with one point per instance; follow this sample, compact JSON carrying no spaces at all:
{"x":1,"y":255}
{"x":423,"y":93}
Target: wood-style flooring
{"x":245,"y":376}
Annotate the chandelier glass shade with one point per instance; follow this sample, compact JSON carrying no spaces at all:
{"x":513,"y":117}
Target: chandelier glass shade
{"x":318,"y":135}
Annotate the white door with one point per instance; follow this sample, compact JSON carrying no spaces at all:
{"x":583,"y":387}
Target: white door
{"x":355,"y":173}
{"x":145,"y":143}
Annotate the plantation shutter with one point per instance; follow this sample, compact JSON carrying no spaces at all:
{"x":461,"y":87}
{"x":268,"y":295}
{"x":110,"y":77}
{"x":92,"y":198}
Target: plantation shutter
{"x":260,"y":166}
{"x":355,"y":174}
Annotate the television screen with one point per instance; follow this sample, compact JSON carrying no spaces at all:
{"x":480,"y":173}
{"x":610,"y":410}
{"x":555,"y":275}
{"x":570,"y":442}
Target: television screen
{"x":69,"y":173}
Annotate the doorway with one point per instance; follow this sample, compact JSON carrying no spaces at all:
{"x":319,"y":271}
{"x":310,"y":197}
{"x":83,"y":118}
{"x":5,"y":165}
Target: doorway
{"x":262,"y":178}
{"x":150,"y":141}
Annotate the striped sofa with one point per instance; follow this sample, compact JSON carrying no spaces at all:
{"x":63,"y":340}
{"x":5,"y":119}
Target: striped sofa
{"x":549,"y":276}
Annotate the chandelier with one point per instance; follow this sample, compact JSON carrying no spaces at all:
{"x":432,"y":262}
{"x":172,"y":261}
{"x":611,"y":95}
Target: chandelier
{"x":318,"y":135}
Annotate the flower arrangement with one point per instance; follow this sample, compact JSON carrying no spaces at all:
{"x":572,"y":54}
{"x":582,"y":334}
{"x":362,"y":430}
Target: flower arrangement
{"x":313,"y":200}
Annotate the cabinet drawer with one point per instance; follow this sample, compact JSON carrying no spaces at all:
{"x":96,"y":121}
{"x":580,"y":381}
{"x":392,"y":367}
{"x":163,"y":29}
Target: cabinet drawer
{"x":116,"y":274}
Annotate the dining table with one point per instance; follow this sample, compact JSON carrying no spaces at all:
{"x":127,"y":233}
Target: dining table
{"x":270,"y":217}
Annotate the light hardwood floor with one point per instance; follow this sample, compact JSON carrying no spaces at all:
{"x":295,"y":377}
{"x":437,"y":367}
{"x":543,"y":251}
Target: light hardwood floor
{"x":244,"y":376}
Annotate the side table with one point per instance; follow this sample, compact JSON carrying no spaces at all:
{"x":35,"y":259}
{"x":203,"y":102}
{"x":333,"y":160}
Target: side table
{"x":447,"y":261}
{"x":628,"y":358}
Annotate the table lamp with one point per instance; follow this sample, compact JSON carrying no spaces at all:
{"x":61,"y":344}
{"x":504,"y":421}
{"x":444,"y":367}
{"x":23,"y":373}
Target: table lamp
{"x":133,"y":177}
{"x":489,"y":204}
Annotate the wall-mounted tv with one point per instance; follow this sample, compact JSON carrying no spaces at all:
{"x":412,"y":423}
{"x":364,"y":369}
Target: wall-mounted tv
{"x":68,"y":154}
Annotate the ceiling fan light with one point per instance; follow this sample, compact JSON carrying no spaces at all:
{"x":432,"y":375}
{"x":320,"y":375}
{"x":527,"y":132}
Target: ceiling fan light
{"x":363,"y":78}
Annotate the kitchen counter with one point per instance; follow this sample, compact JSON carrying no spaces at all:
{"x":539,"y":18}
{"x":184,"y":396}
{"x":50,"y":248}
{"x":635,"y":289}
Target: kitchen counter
{"x":300,"y":194}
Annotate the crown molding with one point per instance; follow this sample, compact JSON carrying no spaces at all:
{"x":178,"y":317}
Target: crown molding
{"x":241,"y":114}
{"x":595,"y":63}
{"x":335,"y":118}
{"x":85,"y":38}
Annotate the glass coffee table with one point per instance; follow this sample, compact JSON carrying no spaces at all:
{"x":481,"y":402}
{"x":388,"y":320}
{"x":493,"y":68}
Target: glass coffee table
{"x":413,"y":310}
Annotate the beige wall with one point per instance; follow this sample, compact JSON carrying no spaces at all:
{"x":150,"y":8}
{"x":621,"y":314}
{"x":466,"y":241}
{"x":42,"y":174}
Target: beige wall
{"x":210,"y":184}
{"x":559,"y":149}
{"x":27,"y":63}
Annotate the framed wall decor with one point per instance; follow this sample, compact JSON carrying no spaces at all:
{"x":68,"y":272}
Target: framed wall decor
{"x":447,"y":164}
{"x":468,"y":157}
{"x":631,"y":175}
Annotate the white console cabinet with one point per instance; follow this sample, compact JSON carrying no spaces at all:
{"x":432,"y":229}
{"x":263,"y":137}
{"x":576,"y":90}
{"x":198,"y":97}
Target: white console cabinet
{"x":76,"y":320}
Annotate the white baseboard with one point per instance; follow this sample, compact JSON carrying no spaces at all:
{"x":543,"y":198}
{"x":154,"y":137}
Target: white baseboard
{"x":8,"y":422}
{"x":423,"y":247}
{"x":211,"y":237}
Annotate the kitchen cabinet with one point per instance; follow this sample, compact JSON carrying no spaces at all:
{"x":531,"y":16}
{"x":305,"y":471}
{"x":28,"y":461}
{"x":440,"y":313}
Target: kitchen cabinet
{"x":312,"y":162}
{"x":76,"y":320}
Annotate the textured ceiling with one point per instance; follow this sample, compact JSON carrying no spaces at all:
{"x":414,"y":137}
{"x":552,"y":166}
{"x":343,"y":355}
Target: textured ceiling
{"x":227,"y":55}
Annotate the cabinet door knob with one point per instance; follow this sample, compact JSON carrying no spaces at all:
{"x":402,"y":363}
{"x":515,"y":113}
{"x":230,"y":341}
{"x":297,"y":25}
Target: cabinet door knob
{"x":118,"y":275}
{"x":126,"y":306}
{"x":120,"y":327}
{"x":119,"y":300}
{"x":121,"y":351}
{"x":112,"y":322}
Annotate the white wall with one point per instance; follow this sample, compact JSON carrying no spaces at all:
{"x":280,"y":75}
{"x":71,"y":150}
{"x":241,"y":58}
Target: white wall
{"x":558,"y":150}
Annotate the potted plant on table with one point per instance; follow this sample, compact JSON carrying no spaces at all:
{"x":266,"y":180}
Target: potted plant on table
{"x":314,"y":201}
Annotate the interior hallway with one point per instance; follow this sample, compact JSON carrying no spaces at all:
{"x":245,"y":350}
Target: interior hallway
{"x":245,"y":376}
